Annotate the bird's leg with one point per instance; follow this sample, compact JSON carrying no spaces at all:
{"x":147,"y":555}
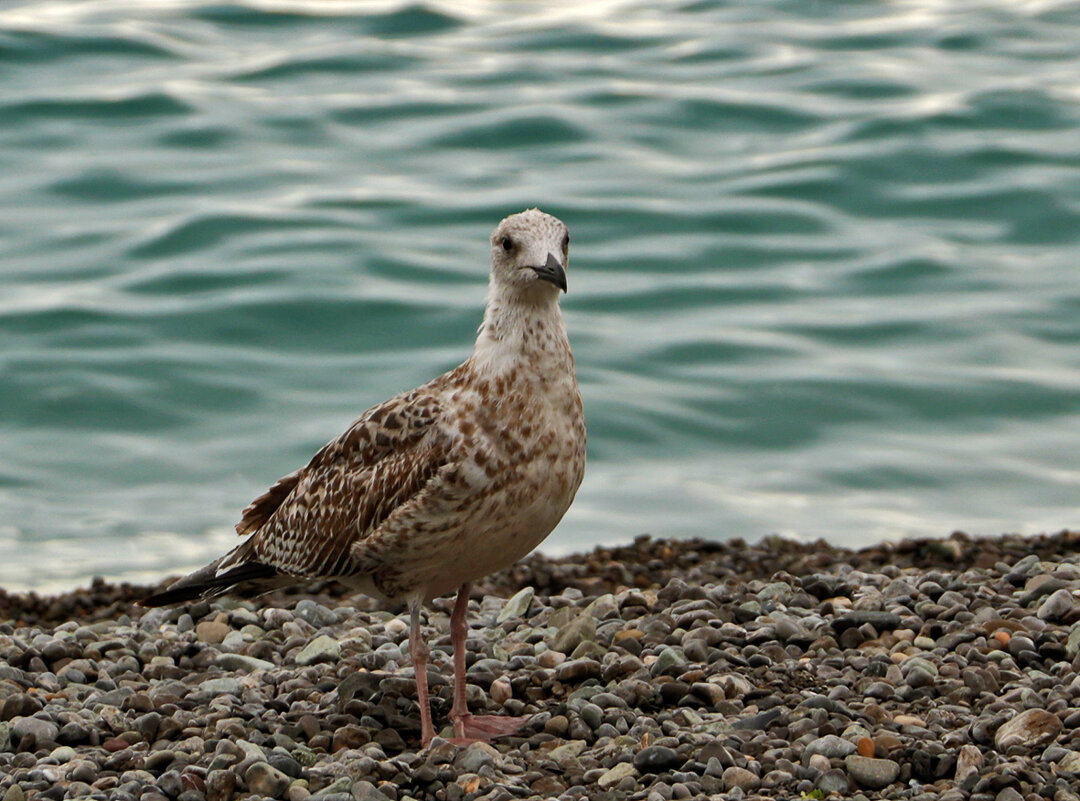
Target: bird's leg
{"x":458,"y":631}
{"x":471,"y":728}
{"x":418,"y":650}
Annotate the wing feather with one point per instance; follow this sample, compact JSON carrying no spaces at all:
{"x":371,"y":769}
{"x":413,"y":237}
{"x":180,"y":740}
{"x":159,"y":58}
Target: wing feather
{"x":305,"y":524}
{"x":259,"y":510}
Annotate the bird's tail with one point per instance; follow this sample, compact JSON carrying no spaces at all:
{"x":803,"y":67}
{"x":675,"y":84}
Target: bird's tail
{"x":235,"y":573}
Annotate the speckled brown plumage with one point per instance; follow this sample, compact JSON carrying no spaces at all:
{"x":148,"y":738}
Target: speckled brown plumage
{"x":445,"y":483}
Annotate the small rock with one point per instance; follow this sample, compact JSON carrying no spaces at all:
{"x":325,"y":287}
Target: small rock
{"x":264,"y":779}
{"x":316,"y":614}
{"x":286,"y":764}
{"x":577,"y":670}
{"x":1057,"y":606}
{"x":605,"y":607}
{"x":220,"y":785}
{"x":517,"y":606}
{"x":1072,"y":644}
{"x":616,"y":774}
{"x":656,"y":759}
{"x":873,"y":774}
{"x":63,"y":754}
{"x":741,"y":778}
{"x":831,"y":746}
{"x":501,"y":691}
{"x":581,"y":629}
{"x":881,"y":621}
{"x":475,"y":757}
{"x":360,"y":789}
{"x":225,"y":685}
{"x":242,"y":662}
{"x":834,"y":780}
{"x":1030,"y":729}
{"x":758,"y":722}
{"x":321,"y":649}
{"x":567,"y":751}
{"x":557,"y":725}
{"x":212,"y":631}
{"x":668,"y":660}
{"x":909,"y":720}
{"x":593,"y":715}
{"x":919,"y":677}
{"x":1070,"y":762}
{"x":44,"y":732}
{"x":969,"y":761}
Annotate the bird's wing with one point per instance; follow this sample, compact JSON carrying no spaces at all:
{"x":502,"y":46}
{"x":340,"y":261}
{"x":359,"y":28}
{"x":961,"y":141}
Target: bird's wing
{"x":305,"y":523}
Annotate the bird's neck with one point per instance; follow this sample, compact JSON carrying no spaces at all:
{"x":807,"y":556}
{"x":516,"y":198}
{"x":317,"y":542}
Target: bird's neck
{"x":520,"y":329}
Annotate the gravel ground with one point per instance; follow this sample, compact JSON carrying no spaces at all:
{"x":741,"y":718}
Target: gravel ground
{"x":931,"y":669}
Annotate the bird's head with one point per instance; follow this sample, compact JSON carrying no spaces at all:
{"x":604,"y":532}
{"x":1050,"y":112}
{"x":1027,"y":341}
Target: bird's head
{"x":529,"y":254}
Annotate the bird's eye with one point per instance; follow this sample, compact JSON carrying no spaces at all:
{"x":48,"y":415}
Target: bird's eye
{"x":566,"y":243}
{"x":507,"y":243}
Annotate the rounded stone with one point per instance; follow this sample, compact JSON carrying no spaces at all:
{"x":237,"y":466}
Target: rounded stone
{"x":264,"y":779}
{"x":212,"y":632}
{"x":830,"y":746}
{"x":44,"y":732}
{"x":656,"y":759}
{"x":834,"y":781}
{"x":1030,"y":729}
{"x":873,"y":774}
{"x":741,"y":778}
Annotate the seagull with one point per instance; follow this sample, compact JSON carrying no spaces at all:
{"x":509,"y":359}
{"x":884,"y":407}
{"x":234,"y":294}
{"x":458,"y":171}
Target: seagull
{"x":438,"y":486}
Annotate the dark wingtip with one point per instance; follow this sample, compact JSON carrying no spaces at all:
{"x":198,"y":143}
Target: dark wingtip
{"x":170,"y":597}
{"x":204,"y":584}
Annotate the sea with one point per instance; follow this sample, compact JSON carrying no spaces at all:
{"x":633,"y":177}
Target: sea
{"x":824,"y":277}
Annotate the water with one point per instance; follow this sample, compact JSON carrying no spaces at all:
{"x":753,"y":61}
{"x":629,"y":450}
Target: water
{"x":823,"y":276}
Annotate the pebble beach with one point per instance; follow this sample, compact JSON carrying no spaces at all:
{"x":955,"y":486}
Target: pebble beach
{"x":937,"y":670}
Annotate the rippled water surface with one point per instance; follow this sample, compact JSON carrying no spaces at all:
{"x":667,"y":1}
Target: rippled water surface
{"x":824,"y":278}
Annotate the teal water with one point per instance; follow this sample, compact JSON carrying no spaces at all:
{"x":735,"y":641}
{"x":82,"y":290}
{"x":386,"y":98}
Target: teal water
{"x":824,"y":274}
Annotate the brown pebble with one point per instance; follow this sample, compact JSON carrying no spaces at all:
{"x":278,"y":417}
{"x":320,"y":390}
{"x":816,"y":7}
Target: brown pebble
{"x":886,"y":744}
{"x":350,"y":737}
{"x":909,"y":720}
{"x":1002,"y":637}
{"x":548,"y":786}
{"x":557,"y":725}
{"x":212,"y":631}
{"x":866,"y":747}
{"x":115,"y":744}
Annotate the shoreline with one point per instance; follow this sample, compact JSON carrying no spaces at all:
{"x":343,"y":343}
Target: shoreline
{"x":586,"y":570}
{"x":938,"y":670}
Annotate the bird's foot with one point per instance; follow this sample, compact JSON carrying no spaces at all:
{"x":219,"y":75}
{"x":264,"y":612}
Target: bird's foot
{"x":481,"y":728}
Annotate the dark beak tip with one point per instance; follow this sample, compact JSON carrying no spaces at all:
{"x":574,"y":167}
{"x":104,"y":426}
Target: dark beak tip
{"x":553,"y":271}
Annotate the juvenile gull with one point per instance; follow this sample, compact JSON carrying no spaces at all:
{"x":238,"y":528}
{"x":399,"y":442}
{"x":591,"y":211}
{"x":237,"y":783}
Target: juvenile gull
{"x":438,"y":486}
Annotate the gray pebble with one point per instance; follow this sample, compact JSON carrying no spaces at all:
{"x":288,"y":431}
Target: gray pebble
{"x":871,"y":773}
{"x":830,"y":746}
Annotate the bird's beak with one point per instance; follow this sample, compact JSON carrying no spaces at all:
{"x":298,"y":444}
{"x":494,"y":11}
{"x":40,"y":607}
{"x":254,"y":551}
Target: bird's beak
{"x":552,"y":271}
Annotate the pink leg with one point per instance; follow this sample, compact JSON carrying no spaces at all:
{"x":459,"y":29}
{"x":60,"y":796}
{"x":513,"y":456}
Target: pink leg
{"x":458,"y":630}
{"x":418,"y":650}
{"x":471,"y":728}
